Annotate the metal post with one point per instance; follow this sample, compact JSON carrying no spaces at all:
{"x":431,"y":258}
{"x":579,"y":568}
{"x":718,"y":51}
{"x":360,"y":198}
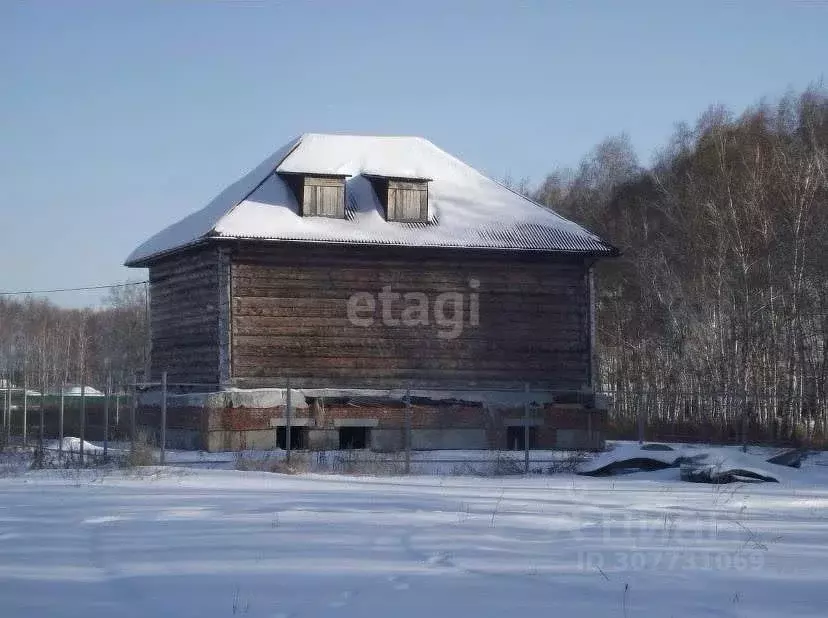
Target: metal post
{"x":640,"y":423}
{"x":60,"y":422}
{"x":288,"y":412}
{"x":9,"y":408}
{"x":25,"y":407}
{"x":745,"y":418}
{"x":42,"y":405}
{"x":82,"y":417}
{"x":148,"y":342}
{"x":106,"y":414}
{"x":526,"y":429}
{"x":408,"y":431}
{"x":5,"y":382}
{"x":163,"y":417}
{"x":133,"y":412}
{"x":594,"y":374}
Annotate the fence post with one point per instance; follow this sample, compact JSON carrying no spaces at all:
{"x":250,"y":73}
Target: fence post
{"x":8,"y":409}
{"x":744,"y":424}
{"x":133,"y":409}
{"x":118,"y":406}
{"x":3,"y":392}
{"x":5,"y":382}
{"x":106,"y":414}
{"x":42,"y":404}
{"x":288,"y":412}
{"x":25,"y":408}
{"x":526,"y":429}
{"x":60,"y":421}
{"x":163,"y":417}
{"x":408,"y":431}
{"x":640,"y":423}
{"x":83,"y":417}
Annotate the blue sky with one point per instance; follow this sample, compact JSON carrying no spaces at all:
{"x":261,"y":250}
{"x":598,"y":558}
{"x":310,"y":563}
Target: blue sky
{"x":118,"y":118}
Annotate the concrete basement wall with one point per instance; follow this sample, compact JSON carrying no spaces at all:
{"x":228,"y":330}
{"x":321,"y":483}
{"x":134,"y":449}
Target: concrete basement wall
{"x":248,"y":419}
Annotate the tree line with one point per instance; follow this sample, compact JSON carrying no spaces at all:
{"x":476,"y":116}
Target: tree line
{"x":714,"y":320}
{"x":44,"y":346}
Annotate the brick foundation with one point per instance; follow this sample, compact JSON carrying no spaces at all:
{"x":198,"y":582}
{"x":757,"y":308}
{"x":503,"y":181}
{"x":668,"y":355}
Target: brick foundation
{"x":434,"y":424}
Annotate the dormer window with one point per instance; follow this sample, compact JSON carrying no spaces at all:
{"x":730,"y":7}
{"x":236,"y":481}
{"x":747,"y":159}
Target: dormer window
{"x":318,"y":195}
{"x":404,"y":199}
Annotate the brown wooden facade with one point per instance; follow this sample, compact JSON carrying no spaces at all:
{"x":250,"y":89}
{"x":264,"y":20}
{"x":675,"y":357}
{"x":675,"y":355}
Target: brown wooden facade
{"x":184,"y":316}
{"x":251,"y":314}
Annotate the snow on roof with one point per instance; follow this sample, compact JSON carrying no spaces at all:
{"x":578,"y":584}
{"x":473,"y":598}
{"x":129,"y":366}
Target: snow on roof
{"x":466,"y":209}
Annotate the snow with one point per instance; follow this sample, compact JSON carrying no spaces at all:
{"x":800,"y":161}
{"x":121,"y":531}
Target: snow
{"x":213,"y":543}
{"x":714,"y":460}
{"x":718,"y":459}
{"x":72,"y":445}
{"x":88,"y":391}
{"x":626,"y":451}
{"x":721,"y":462}
{"x":466,"y":209}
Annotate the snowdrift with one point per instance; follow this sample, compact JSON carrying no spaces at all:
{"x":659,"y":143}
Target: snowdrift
{"x":625,"y":458}
{"x":73,"y":445}
{"x":696,"y":464}
{"x":719,"y":466}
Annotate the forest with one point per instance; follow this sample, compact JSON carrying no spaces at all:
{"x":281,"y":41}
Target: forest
{"x":44,"y":346}
{"x":714,"y":320}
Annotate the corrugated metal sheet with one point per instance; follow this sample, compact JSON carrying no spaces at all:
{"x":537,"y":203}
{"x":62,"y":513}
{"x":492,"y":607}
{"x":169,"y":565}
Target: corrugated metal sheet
{"x":520,"y":237}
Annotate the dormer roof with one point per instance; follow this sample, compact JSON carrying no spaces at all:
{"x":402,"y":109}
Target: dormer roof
{"x":465,"y":208}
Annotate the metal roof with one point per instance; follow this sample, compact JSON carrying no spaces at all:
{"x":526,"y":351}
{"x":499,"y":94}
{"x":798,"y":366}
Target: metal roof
{"x":466,"y":209}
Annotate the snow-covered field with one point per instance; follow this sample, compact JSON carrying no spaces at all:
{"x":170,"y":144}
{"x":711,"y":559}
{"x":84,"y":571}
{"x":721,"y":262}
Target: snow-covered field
{"x":190,"y":542}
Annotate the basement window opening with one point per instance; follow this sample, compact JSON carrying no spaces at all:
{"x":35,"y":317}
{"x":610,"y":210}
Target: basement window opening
{"x":515,"y":438}
{"x":298,"y":438}
{"x":354,"y":438}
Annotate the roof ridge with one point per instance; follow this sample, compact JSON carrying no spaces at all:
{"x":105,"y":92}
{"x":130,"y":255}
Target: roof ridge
{"x":364,"y":135}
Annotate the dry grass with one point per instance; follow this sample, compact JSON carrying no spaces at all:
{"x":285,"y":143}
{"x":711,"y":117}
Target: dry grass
{"x":140,"y":453}
{"x":368,"y":463}
{"x":505,"y":465}
{"x":275,"y":462}
{"x":354,"y":462}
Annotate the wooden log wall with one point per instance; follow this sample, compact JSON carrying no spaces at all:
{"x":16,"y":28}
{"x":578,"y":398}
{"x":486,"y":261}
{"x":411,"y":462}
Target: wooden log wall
{"x":290,"y":318}
{"x":184,"y":316}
